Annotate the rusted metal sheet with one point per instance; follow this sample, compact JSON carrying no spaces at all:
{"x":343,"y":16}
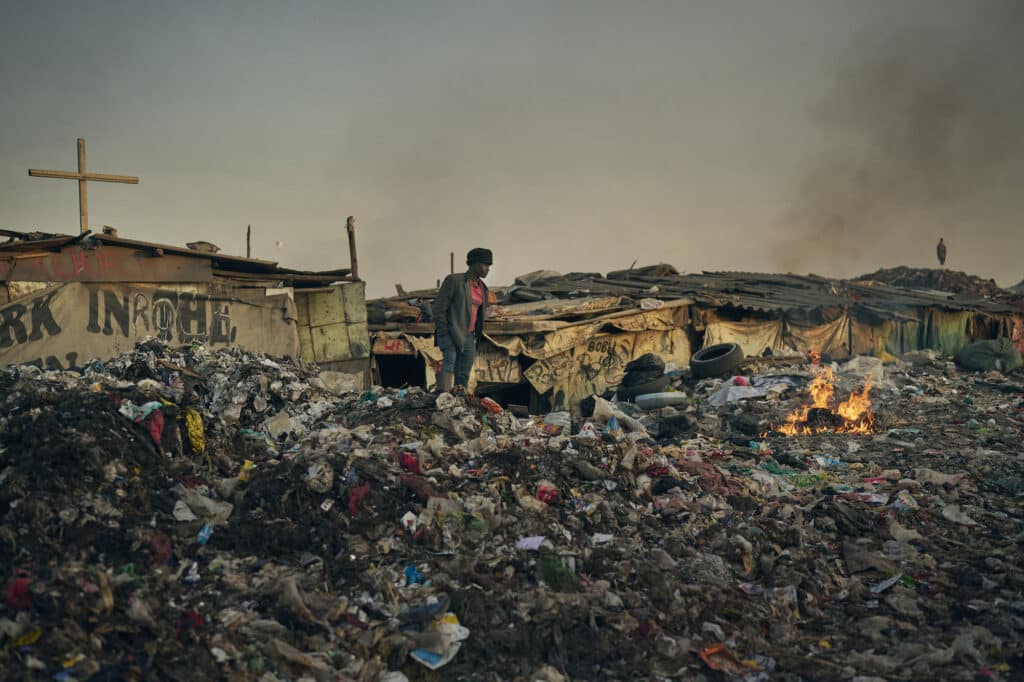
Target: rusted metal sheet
{"x":325,"y":308}
{"x":306,"y":344}
{"x":359,"y":341}
{"x":102,"y":264}
{"x":332,"y":323}
{"x":331,"y":343}
{"x":236,"y":262}
{"x":353,"y":296}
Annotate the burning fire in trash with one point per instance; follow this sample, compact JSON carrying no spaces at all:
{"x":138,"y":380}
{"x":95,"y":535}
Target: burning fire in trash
{"x":853,"y":415}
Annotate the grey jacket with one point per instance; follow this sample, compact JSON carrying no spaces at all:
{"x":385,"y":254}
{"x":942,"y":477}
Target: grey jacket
{"x":452,"y":307}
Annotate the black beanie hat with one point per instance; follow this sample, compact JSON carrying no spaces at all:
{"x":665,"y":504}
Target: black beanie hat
{"x":479,"y":255}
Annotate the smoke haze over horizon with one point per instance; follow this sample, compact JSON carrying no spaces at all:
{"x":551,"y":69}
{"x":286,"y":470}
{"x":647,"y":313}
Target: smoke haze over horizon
{"x":827,"y":137}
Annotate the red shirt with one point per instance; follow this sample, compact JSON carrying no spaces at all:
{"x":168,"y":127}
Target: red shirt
{"x":476,"y":293}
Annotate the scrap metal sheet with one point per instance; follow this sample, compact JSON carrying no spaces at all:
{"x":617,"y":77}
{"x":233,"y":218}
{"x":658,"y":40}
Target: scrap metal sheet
{"x":103,"y":264}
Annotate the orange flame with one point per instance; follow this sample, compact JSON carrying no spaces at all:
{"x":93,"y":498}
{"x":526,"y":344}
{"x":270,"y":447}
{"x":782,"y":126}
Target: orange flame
{"x":855,"y":410}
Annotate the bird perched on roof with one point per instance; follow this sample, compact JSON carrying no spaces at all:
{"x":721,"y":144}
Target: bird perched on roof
{"x":205,"y":247}
{"x":940,"y":251}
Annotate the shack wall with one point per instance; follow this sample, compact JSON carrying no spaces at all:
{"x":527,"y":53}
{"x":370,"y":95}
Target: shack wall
{"x":70,"y":324}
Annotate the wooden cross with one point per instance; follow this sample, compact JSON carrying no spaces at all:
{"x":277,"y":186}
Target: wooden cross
{"x":82,"y":177}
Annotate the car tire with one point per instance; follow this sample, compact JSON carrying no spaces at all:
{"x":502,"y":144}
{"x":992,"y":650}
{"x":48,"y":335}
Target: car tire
{"x":714,"y":361}
{"x":655,"y":386}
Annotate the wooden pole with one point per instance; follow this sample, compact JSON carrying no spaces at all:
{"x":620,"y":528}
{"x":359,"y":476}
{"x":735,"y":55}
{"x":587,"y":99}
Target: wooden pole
{"x":248,"y":241}
{"x":451,"y":257}
{"x":83,"y":199}
{"x":350,"y":227}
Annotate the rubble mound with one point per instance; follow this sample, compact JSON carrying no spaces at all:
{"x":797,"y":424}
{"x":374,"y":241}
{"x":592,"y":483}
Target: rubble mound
{"x":182,"y":514}
{"x":953,"y":281}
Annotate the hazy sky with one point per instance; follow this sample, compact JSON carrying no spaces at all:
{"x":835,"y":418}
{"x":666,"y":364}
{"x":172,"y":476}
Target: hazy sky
{"x":759,"y":135}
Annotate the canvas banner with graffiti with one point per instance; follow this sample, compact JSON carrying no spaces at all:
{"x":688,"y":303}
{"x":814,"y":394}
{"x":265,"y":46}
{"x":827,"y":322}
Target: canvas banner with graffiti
{"x":69,"y":325}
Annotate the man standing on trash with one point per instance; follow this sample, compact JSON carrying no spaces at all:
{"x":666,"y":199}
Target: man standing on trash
{"x":459,"y":310}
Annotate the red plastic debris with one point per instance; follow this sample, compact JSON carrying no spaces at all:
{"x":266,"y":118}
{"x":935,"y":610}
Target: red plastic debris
{"x":156,"y":426}
{"x":657,"y":471}
{"x":546,"y":493}
{"x":718,"y":657}
{"x":491,"y":406}
{"x":354,"y":495}
{"x":18,"y":597}
{"x":410,"y":462}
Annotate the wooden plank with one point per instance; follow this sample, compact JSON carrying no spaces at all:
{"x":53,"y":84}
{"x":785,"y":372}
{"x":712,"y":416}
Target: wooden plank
{"x":522,"y":326}
{"x":71,"y":175}
{"x":350,"y":227}
{"x":415,"y":328}
{"x":83,"y":204}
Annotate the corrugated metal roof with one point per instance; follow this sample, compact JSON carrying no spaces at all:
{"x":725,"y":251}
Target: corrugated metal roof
{"x":765,"y":292}
{"x":224,"y":265}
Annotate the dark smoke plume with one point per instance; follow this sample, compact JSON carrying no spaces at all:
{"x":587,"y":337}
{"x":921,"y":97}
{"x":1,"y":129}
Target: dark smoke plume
{"x":916,"y":127}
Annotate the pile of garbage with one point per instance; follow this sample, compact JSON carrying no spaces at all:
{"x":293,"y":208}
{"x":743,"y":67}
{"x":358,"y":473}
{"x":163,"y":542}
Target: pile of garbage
{"x":952,"y":281}
{"x":185,"y":514}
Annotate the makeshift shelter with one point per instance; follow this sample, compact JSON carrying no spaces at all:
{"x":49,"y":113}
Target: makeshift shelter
{"x":551,"y":355}
{"x":557,"y":339}
{"x":68,"y":300}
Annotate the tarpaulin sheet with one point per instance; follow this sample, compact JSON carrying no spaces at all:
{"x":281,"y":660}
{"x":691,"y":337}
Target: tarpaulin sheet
{"x":753,"y":336}
{"x":492,"y":364}
{"x":548,"y":344}
{"x":70,"y":324}
{"x":946,"y":331}
{"x":894,"y":337}
{"x":831,"y":338}
{"x":598,"y":364}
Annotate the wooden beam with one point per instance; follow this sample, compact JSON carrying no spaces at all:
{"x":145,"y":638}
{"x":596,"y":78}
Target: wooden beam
{"x":350,"y":227}
{"x":71,"y":175}
{"x":248,"y":242}
{"x":83,"y":201}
